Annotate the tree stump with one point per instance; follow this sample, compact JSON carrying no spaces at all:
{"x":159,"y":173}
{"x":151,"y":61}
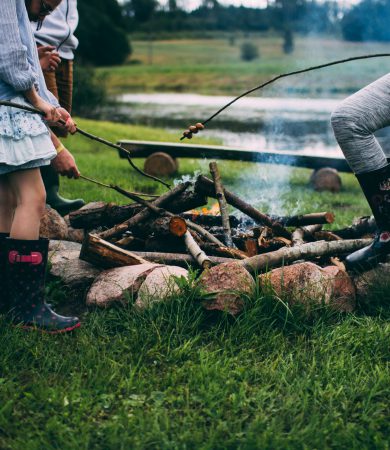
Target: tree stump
{"x":160,"y":164}
{"x":326,"y":179}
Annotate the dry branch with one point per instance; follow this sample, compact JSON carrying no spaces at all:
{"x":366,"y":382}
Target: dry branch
{"x":305,"y":219}
{"x":196,"y":252}
{"x":222,"y":203}
{"x":306,"y":251}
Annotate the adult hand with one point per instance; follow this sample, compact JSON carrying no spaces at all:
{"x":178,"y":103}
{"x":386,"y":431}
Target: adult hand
{"x":65,"y":164}
{"x":48,"y":58}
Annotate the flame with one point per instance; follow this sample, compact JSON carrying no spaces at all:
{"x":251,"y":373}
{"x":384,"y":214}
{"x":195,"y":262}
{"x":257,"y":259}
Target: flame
{"x":213,"y":211}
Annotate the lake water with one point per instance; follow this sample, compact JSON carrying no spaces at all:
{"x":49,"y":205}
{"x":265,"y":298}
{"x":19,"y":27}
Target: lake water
{"x":282,"y":124}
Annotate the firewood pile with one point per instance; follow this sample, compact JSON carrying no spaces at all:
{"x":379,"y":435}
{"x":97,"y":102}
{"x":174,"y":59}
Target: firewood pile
{"x":171,"y":230}
{"x":230,"y":250}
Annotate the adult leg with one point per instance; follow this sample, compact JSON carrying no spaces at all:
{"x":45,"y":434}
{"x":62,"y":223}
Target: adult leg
{"x":26,"y":258}
{"x":60,"y":83}
{"x":354,"y":124}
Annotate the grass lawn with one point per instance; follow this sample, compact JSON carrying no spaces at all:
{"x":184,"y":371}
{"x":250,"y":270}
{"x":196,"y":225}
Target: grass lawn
{"x":177,"y":377}
{"x":213,"y":66}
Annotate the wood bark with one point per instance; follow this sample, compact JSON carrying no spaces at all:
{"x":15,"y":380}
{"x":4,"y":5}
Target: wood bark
{"x":101,"y":253}
{"x":364,"y":225}
{"x":196,"y":252}
{"x":145,"y":213}
{"x":206,"y":186}
{"x":222,"y":203}
{"x":305,"y":219}
{"x":300,"y":235}
{"x":177,"y":259}
{"x":308,"y":251}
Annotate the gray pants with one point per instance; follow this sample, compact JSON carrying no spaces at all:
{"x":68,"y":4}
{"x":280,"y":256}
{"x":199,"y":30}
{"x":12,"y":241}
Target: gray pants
{"x":355,"y":121}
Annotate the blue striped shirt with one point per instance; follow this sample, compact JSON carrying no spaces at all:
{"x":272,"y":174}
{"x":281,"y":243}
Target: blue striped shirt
{"x":19,"y":63}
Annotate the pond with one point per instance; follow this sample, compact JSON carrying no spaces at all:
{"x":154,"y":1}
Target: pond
{"x":281,"y":124}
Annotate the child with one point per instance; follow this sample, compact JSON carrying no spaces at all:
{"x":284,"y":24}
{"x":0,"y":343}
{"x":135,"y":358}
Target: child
{"x":25,"y":145}
{"x":354,"y":123}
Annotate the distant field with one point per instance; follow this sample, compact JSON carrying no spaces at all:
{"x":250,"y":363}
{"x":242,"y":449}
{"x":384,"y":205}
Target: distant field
{"x":214,"y":66}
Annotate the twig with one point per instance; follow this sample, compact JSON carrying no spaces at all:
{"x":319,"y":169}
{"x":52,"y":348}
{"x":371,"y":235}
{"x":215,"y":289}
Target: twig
{"x":227,"y":233}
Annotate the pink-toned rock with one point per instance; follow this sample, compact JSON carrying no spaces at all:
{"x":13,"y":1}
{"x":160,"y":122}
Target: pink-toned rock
{"x":159,"y":284}
{"x":75,"y":235}
{"x":326,"y":179}
{"x":115,"y":285}
{"x":227,"y":284}
{"x":53,"y":226}
{"x":307,"y":283}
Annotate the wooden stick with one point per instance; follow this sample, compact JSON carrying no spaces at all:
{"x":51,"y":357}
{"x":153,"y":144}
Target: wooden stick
{"x":305,"y":251}
{"x":177,"y":259}
{"x":205,"y":185}
{"x":301,"y":234}
{"x":145,"y":213}
{"x":305,"y":219}
{"x":222,"y":203}
{"x":196,"y":252}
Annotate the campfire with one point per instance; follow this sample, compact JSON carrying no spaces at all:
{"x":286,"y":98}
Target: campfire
{"x":178,"y":229}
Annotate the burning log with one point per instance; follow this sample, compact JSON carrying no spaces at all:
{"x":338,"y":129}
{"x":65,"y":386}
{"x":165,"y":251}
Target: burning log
{"x":206,"y":186}
{"x":222,"y":203}
{"x":309,"y":251}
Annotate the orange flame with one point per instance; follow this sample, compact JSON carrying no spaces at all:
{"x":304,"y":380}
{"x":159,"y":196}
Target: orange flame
{"x":213,"y":211}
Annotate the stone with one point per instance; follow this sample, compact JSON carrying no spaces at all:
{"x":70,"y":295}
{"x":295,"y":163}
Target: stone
{"x":308,"y":284}
{"x":159,"y":285}
{"x":53,"y":225}
{"x":368,"y":282}
{"x":226,"y":285}
{"x":118,"y":285}
{"x":65,"y":264}
{"x":326,"y":179}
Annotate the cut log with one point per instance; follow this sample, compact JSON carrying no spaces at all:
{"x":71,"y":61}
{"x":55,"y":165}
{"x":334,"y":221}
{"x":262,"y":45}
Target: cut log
{"x":206,"y":186}
{"x":222,"y":203}
{"x":145,"y":213}
{"x":326,"y":179}
{"x":309,"y":251}
{"x":305,"y":219}
{"x":160,"y":164}
{"x":300,"y":235}
{"x":162,"y":226}
{"x":101,"y":253}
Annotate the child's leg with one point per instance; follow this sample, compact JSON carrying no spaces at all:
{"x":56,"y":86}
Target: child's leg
{"x":30,"y":196}
{"x":355,"y":121}
{"x":7,"y":205}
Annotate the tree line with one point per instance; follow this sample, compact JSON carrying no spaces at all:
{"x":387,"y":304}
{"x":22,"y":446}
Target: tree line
{"x":105,"y":25}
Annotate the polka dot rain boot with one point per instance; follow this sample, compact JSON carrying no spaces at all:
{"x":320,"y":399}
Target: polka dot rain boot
{"x":3,"y":284}
{"x":376,"y":188}
{"x":25,"y":271}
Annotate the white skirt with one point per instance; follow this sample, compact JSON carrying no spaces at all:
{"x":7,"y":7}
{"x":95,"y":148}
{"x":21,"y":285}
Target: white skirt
{"x":24,"y":139}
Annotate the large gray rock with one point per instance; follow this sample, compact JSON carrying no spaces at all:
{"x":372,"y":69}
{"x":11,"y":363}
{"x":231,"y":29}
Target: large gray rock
{"x":118,"y":285}
{"x":159,"y":285}
{"x":65,"y":264}
{"x":308,"y":284}
{"x":226,"y":285}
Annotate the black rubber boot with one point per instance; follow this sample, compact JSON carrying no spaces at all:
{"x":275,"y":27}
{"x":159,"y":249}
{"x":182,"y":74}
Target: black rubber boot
{"x":376,"y":188}
{"x":3,"y":285}
{"x":51,"y":180}
{"x":25,"y":271}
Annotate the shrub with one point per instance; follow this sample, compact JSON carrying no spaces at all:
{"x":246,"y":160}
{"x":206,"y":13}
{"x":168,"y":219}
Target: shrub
{"x":249,"y":51}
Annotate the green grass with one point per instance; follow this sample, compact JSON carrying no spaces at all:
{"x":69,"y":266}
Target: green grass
{"x":213,"y":66}
{"x":178,"y":377}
